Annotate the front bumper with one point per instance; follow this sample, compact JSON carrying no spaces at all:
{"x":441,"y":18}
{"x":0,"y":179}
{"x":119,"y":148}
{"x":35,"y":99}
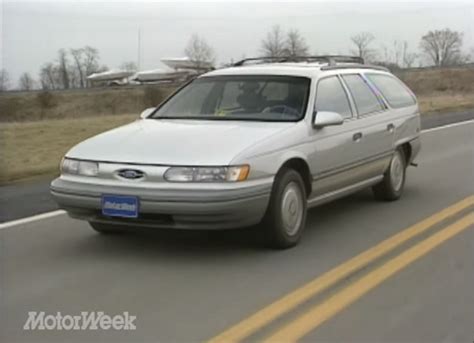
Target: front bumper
{"x":184,"y":206}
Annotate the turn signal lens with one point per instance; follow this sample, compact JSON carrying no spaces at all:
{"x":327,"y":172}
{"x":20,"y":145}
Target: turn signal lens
{"x":239,"y":173}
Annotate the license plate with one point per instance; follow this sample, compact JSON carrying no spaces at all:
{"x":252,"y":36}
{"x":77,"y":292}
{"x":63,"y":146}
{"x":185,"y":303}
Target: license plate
{"x":120,"y":206}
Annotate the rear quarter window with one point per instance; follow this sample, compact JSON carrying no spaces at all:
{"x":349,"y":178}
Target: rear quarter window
{"x":364,"y":98}
{"x":392,"y":89}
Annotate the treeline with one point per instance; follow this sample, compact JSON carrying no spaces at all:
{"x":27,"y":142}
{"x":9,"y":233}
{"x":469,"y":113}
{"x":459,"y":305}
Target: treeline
{"x":68,"y":71}
{"x":439,"y":48}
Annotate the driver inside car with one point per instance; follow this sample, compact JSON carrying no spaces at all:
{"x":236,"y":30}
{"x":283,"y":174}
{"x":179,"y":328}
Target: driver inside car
{"x":250,"y":100}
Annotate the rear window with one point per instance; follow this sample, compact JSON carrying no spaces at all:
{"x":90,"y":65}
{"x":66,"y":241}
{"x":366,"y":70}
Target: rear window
{"x":393,"y":90}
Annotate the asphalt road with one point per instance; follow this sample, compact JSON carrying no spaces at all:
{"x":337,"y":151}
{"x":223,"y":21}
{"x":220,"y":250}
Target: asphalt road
{"x":25,"y":199}
{"x":416,"y":286}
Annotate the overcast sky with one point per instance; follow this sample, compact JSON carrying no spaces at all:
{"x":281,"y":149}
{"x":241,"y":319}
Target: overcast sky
{"x":32,"y":32}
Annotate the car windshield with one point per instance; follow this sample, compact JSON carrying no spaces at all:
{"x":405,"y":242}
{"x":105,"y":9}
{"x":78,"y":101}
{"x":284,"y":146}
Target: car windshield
{"x":261,"y":98}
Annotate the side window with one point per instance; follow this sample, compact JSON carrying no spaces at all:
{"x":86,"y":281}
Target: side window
{"x":365,"y":99}
{"x":392,"y":89}
{"x":331,"y":96}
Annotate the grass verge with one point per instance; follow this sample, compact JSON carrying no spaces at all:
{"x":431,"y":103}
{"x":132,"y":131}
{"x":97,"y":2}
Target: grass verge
{"x":446,"y":102}
{"x":33,"y":149}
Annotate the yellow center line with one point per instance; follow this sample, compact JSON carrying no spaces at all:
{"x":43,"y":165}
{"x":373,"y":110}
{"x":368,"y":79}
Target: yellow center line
{"x":288,"y":302}
{"x":326,"y":310}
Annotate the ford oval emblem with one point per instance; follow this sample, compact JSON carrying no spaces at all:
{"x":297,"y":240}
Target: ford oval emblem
{"x":131,"y":174}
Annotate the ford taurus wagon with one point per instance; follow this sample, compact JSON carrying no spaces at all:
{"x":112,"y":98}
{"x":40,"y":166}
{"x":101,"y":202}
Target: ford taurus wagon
{"x":256,"y":143}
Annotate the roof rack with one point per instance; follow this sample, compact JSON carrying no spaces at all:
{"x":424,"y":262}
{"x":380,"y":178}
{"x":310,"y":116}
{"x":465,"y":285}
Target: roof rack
{"x":360,"y":66}
{"x":331,"y":60}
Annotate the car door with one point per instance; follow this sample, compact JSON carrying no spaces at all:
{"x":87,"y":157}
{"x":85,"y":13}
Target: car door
{"x":334,"y":151}
{"x":374,"y":129}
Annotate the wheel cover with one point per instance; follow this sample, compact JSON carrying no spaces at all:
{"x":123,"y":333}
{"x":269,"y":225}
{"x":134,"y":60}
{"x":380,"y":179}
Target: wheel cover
{"x":397,"y":171}
{"x":292,"y":208}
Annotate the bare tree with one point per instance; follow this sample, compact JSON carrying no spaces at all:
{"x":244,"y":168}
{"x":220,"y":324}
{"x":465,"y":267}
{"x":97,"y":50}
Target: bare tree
{"x":398,"y":50}
{"x":49,"y":76}
{"x":78,"y":57}
{"x":26,"y":82}
{"x":200,"y":52}
{"x":295,"y":44}
{"x":398,"y":56}
{"x":409,"y":58}
{"x":4,"y":80}
{"x":129,"y":66}
{"x":274,"y":44}
{"x":65,"y":74}
{"x":74,"y":76}
{"x":362,"y":42}
{"x":443,"y":47}
{"x":91,"y":61}
{"x":63,"y":69}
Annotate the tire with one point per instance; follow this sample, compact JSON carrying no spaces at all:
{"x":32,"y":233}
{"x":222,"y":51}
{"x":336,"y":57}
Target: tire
{"x":391,"y":187}
{"x":106,"y":229}
{"x":285,"y":218}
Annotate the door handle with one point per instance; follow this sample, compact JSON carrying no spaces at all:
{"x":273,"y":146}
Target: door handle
{"x":357,"y":136}
{"x":390,"y":128}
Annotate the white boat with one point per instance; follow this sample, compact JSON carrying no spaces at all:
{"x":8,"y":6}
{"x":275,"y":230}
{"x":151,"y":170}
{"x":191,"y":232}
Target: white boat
{"x":110,"y":75}
{"x":185,"y":63}
{"x":160,"y":75}
{"x":182,"y":68}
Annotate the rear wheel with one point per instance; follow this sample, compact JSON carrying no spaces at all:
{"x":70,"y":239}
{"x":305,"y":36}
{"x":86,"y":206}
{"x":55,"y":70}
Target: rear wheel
{"x":106,"y":229}
{"x":391,"y":187}
{"x":285,"y":218}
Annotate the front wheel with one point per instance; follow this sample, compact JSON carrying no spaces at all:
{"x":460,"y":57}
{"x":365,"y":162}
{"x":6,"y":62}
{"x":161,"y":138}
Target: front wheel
{"x":285,"y":218}
{"x":391,"y":187}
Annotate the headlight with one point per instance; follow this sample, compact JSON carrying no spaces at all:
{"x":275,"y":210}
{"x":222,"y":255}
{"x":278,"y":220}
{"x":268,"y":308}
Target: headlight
{"x":207,"y":174}
{"x":86,"y":168}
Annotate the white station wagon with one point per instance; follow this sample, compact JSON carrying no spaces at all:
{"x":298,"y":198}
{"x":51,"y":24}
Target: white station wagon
{"x":257,"y":143}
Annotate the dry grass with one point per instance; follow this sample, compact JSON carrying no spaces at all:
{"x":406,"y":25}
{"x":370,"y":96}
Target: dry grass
{"x":445,"y":102}
{"x":31,"y":106}
{"x":35,"y":148}
{"x":431,"y":81}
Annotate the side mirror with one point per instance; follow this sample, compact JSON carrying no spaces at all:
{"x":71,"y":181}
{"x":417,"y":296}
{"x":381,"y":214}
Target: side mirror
{"x":147,"y":112}
{"x":324,"y":118}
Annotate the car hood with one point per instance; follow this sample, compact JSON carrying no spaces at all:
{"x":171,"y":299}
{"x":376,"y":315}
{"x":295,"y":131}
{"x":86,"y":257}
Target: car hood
{"x":176,"y":142}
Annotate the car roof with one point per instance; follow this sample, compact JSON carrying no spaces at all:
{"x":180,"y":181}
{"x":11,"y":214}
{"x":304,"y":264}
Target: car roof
{"x":301,"y":69}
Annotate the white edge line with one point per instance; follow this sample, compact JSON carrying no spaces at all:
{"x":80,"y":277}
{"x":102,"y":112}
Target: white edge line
{"x":31,"y":219}
{"x":59,"y":212}
{"x":449,"y":125}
